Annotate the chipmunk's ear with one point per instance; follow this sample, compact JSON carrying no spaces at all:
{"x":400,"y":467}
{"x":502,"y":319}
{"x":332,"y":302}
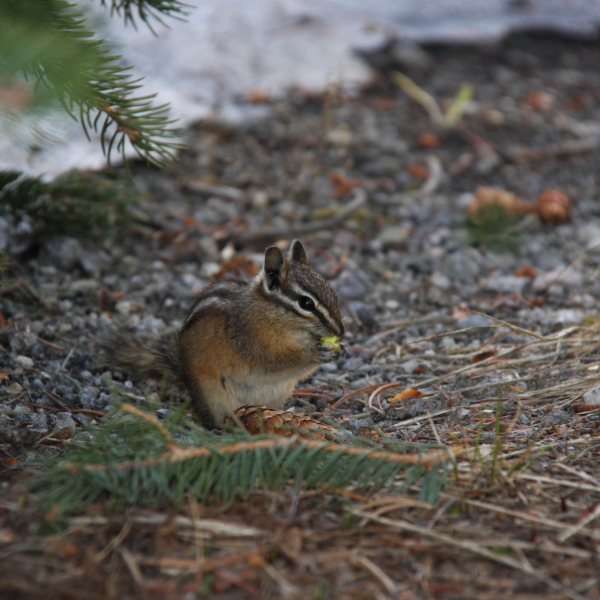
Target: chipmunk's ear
{"x":275,"y":268}
{"x":298,"y":253}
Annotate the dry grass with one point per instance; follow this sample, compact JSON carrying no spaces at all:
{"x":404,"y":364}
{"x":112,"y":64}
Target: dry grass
{"x":519,"y":518}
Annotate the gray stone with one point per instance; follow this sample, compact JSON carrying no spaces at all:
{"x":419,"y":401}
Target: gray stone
{"x":62,"y":252}
{"x":354,"y":425}
{"x":329,"y":367}
{"x":507,"y":283}
{"x":364,"y":312}
{"x":352,"y":285}
{"x":129,"y":265}
{"x":21,"y":341}
{"x":94,"y":261}
{"x":558,"y":417}
{"x":592,"y":396}
{"x":462,"y":265}
{"x":568,"y":276}
{"x":39,"y":421}
{"x":87,"y":396}
{"x":85,"y":286}
{"x":64,"y":419}
{"x":22,"y":419}
{"x":589,"y":234}
{"x":459,"y":413}
{"x":439,"y":280}
{"x":566,"y":315}
{"x":410,"y":365}
{"x":383,"y":166}
{"x":473,"y":321}
{"x":410,"y":55}
{"x":395,"y":236}
{"x":104,"y":399}
{"x":19,"y":238}
{"x":24,"y":362}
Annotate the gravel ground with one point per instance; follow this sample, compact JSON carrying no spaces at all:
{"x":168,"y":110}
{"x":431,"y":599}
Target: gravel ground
{"x":402,"y":264}
{"x":409,"y":273}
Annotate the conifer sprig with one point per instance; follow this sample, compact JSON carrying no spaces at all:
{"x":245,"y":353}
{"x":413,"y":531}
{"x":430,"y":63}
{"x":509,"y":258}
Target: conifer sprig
{"x":47,"y":42}
{"x":134,"y":459}
{"x":146,"y":10}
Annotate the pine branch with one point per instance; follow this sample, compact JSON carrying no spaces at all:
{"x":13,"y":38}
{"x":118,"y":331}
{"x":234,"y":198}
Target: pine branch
{"x":146,"y":9}
{"x":86,"y":204}
{"x":135,"y":459}
{"x":47,"y":41}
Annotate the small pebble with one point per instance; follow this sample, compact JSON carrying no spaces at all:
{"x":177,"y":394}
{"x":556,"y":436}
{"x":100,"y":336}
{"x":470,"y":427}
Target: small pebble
{"x":24,"y":362}
{"x":65,"y":419}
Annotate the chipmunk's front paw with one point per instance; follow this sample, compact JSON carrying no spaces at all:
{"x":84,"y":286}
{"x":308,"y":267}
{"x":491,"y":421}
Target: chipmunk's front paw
{"x":330,"y":350}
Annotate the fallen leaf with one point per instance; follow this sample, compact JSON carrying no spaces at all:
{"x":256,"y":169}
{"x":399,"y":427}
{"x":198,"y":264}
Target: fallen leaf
{"x":409,"y":393}
{"x":526,"y":271}
{"x":190,"y":222}
{"x":342,"y":184}
{"x":418,"y":171}
{"x":258,"y":96}
{"x":460,"y":312}
{"x":239,"y":266}
{"x":382,"y":103}
{"x":482,"y":356}
{"x":540,"y":101}
{"x":62,"y":434}
{"x":428,"y":140}
{"x":579,"y":408}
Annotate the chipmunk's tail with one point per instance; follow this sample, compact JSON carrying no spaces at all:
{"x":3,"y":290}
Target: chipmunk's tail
{"x":144,"y":355}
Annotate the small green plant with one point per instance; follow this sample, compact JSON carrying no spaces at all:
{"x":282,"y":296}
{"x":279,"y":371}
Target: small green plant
{"x":80,"y":204}
{"x":496,"y":228}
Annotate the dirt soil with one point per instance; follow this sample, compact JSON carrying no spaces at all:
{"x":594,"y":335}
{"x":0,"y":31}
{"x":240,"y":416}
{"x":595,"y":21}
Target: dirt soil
{"x":494,"y":327}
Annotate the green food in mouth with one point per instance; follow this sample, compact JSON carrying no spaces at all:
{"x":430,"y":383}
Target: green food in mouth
{"x":332,"y":343}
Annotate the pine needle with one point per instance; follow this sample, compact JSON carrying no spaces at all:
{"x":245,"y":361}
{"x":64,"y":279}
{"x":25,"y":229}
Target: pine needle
{"x":135,"y":459}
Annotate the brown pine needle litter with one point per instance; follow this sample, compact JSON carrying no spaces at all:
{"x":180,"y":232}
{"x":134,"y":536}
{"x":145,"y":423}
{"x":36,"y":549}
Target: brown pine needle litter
{"x":519,"y":518}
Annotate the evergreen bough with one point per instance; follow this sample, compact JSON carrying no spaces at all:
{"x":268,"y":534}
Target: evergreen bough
{"x":48,"y":53}
{"x":133,"y":459}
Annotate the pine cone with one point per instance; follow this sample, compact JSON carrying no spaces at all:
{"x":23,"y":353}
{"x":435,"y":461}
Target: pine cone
{"x":258,"y":418}
{"x":554,"y":206}
{"x":486,"y":196}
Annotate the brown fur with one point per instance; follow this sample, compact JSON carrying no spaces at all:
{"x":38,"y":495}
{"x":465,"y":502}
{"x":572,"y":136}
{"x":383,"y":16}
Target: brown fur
{"x":244,"y":342}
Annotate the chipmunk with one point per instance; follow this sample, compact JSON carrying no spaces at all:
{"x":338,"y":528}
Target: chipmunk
{"x":246,"y":342}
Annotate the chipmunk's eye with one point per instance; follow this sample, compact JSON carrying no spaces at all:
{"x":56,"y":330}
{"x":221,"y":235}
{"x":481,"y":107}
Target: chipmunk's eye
{"x":306,"y":303}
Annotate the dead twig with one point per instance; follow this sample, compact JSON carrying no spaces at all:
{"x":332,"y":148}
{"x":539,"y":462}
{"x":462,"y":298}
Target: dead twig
{"x":211,"y":189}
{"x":254,"y":237}
{"x":511,"y":326}
{"x":9,"y":289}
{"x":579,"y":526}
{"x":436,"y":174}
{"x":378,"y":387}
{"x":474,"y":548}
{"x":578,"y":146}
